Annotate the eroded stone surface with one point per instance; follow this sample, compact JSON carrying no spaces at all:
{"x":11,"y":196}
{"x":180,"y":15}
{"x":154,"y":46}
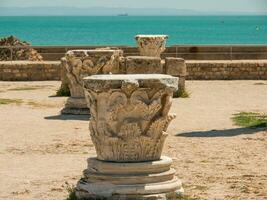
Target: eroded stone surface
{"x":175,"y":66}
{"x":76,"y":106}
{"x":81,"y":63}
{"x":129,"y":119}
{"x":151,"y":45}
{"x":129,"y":115}
{"x":143,"y":65}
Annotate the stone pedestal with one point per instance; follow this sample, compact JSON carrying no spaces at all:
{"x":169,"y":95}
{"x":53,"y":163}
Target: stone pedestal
{"x":143,"y":180}
{"x":129,"y":119}
{"x":76,"y":106}
{"x":151,"y":45}
{"x":81,"y":63}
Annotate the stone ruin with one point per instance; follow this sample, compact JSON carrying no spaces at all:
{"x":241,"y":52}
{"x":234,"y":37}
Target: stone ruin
{"x":129,"y":100}
{"x":151,"y":45}
{"x":129,"y":119}
{"x":78,"y":64}
{"x":16,"y":53}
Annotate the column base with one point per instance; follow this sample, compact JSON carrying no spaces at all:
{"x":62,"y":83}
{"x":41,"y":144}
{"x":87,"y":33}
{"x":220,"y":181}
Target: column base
{"x":120,"y":181}
{"x":75,"y":106}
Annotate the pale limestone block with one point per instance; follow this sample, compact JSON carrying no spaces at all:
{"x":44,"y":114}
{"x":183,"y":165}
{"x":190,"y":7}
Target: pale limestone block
{"x":175,"y":66}
{"x":143,"y":65}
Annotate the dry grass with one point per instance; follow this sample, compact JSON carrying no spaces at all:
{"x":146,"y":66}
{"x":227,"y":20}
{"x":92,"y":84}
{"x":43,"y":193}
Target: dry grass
{"x":25,"y":88}
{"x":10,"y":101}
{"x":18,"y":102}
{"x":40,"y":104}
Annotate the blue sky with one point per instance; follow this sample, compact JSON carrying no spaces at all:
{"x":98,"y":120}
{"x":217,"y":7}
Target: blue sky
{"x":197,"y":5}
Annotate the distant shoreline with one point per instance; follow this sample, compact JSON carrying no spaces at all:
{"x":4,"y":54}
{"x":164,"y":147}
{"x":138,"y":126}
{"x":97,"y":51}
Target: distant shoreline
{"x":113,"y":11}
{"x":263,"y":15}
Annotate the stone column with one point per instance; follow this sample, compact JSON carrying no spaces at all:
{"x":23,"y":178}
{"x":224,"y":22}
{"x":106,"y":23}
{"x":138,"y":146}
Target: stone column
{"x":129,"y":119}
{"x":151,"y":45}
{"x":81,"y":63}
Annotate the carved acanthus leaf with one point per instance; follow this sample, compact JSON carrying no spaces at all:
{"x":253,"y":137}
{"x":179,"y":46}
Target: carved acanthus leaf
{"x":148,"y":107}
{"x":129,"y":131}
{"x":148,"y":111}
{"x":159,"y":126}
{"x":116,"y":102}
{"x":129,"y":86}
{"x":91,"y":102}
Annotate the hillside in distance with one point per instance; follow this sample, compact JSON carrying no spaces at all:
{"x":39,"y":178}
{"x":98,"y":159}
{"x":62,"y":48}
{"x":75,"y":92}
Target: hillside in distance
{"x":108,"y":11}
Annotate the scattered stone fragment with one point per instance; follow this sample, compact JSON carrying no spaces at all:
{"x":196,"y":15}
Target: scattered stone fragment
{"x":17,"y":53}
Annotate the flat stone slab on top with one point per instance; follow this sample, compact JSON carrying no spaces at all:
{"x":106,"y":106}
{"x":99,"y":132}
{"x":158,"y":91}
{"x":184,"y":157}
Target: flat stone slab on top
{"x":151,"y":36}
{"x":102,"y":82}
{"x":86,"y":52}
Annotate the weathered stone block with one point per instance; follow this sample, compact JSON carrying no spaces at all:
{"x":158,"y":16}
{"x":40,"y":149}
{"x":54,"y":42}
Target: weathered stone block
{"x":181,"y":84}
{"x":175,"y":66}
{"x":7,"y":70}
{"x":15,"y":71}
{"x":143,"y":65}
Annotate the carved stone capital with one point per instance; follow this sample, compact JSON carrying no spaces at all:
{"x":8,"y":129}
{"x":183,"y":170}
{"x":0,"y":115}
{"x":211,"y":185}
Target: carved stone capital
{"x":129,"y":115}
{"x":151,"y":45}
{"x":82,"y":63}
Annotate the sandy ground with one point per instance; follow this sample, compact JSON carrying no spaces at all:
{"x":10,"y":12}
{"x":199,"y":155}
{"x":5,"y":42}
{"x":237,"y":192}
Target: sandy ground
{"x":41,"y":151}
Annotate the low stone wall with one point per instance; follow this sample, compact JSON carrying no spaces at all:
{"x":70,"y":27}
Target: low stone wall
{"x":29,"y":71}
{"x":197,"y":70}
{"x":227,"y":70}
{"x":188,"y":52}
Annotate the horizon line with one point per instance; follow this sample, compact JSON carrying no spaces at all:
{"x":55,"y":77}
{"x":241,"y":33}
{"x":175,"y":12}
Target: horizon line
{"x":136,"y":8}
{"x":100,"y":15}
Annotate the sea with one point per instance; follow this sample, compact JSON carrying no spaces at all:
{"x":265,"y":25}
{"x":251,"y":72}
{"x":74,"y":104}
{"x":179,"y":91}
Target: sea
{"x":120,"y":30}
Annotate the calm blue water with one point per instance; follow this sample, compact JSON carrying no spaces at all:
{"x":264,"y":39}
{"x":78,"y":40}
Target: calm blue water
{"x":121,"y":30}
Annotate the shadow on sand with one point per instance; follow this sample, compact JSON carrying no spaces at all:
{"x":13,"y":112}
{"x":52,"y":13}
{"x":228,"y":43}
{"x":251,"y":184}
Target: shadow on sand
{"x":69,"y":117}
{"x":222,"y":133}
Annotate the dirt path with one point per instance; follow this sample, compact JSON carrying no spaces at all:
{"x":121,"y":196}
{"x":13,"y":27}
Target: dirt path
{"x":41,"y":150}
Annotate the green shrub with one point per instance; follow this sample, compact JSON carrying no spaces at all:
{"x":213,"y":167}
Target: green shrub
{"x":63,"y":92}
{"x":181,"y":94}
{"x":250,"y":119}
